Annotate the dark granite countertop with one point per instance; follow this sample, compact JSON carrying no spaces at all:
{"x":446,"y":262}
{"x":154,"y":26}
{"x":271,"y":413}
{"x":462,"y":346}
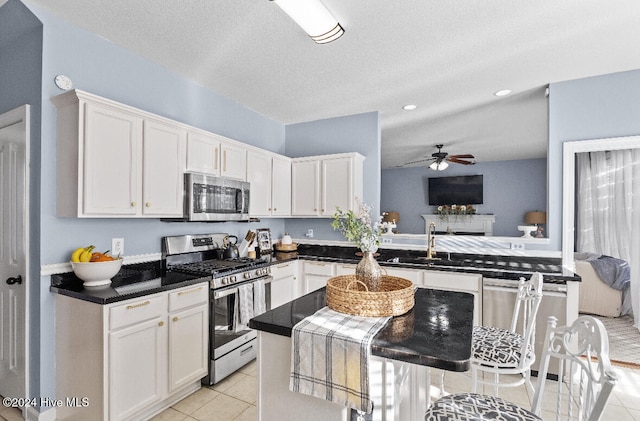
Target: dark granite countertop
{"x":489,"y":266}
{"x":436,"y":332}
{"x":132,"y":281}
{"x":149,"y":278}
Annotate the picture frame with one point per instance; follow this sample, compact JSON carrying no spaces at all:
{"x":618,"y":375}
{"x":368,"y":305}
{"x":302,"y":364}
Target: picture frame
{"x":264,"y":241}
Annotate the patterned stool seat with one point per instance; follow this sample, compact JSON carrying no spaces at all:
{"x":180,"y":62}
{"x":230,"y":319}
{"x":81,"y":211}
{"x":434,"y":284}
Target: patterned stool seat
{"x":497,"y":347}
{"x":472,"y":407}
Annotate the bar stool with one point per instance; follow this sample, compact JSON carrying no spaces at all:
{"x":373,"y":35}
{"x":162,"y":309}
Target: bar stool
{"x":500,"y":351}
{"x":585,"y":381}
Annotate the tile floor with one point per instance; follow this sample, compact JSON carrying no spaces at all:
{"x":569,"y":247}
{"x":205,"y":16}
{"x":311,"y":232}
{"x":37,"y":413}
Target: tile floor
{"x":234,"y":399}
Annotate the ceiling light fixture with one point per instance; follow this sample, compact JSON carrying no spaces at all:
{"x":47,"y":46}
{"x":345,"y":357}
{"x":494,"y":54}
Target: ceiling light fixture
{"x":438,"y":165}
{"x":314,"y":18}
{"x":503,"y":92}
{"x":409,"y":107}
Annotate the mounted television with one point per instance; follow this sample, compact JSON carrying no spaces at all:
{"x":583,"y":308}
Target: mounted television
{"x":459,"y":190}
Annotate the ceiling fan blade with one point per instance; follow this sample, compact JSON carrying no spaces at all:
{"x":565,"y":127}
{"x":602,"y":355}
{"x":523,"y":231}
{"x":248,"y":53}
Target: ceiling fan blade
{"x":459,"y":161}
{"x":419,"y":160}
{"x":462,"y":156}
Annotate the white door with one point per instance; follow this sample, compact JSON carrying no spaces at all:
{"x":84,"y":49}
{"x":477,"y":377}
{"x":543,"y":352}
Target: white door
{"x":14,"y":153}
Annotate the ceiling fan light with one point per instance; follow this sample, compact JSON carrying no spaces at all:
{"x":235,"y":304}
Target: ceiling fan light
{"x":314,"y":18}
{"x":438,"y":166}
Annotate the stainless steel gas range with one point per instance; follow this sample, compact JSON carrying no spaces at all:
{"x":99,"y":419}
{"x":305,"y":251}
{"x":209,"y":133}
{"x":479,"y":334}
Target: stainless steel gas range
{"x":239,"y":289}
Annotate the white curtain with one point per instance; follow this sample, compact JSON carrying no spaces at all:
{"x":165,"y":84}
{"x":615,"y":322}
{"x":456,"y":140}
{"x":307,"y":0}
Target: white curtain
{"x":608,"y":210}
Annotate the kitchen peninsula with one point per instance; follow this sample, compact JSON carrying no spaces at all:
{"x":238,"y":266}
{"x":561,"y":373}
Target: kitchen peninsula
{"x":436,"y":333}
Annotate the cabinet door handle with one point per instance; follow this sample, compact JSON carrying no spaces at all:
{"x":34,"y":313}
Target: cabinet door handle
{"x":319,"y":264}
{"x":275,"y":209}
{"x":175,"y":319}
{"x":148,"y":204}
{"x":224,"y":161}
{"x":215,"y":163}
{"x":284,"y":266}
{"x":132,"y":306}
{"x":191,"y":291}
{"x":133,"y":204}
{"x":160,"y":324}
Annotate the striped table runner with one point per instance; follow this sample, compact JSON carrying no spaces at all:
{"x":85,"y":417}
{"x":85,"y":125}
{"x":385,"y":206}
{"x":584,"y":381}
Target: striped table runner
{"x":330,"y":357}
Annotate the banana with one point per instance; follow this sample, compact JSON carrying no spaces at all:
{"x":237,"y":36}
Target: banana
{"x":85,"y":256}
{"x":76,"y":256}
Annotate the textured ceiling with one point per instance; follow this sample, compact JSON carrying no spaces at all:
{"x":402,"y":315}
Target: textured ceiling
{"x":446,"y":57}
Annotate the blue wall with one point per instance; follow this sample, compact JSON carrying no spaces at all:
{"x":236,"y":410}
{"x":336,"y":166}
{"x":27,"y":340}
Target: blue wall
{"x":21,"y":83}
{"x":354,"y":133}
{"x":591,"y":108}
{"x":101,"y":67}
{"x":511,"y":188}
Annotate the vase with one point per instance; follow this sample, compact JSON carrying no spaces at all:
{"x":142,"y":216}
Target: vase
{"x":369,"y":272}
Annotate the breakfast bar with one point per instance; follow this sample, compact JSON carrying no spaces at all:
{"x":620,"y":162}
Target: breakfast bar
{"x":435,"y":333}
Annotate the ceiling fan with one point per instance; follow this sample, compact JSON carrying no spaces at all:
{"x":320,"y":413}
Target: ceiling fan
{"x":440,"y":159}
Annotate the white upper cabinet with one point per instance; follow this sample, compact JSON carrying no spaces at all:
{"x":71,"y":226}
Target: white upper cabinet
{"x":305,"y":187}
{"x":280,"y":186}
{"x":99,"y":169}
{"x":216,"y":155}
{"x":270,"y":178}
{"x":203,"y":153}
{"x":115,"y":161}
{"x":322,"y":183}
{"x":163,"y":169}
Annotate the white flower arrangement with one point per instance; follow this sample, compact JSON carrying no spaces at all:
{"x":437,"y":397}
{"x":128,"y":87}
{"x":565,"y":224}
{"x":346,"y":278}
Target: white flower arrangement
{"x":359,"y":228}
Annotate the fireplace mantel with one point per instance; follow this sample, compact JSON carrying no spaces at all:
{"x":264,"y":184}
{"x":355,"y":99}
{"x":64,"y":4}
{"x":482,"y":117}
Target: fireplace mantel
{"x":461,"y":224}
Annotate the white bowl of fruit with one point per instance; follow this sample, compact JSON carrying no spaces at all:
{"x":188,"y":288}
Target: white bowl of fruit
{"x":94,"y":268}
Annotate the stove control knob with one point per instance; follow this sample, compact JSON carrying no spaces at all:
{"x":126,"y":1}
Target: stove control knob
{"x":225,"y":281}
{"x":247,"y":275}
{"x":232,"y":278}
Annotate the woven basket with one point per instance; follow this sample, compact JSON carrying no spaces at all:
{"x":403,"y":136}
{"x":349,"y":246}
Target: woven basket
{"x":286,"y":247}
{"x":347,"y":295}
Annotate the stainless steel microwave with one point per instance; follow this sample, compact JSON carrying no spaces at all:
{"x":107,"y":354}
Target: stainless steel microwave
{"x":209,"y":198}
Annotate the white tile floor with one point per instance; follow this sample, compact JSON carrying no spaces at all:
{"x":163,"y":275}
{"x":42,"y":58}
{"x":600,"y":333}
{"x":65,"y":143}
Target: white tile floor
{"x":234,"y":399}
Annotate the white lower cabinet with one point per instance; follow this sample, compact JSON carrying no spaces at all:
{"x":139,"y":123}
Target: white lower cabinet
{"x":316,"y":274}
{"x":284,"y":286}
{"x":414,"y":275}
{"x":130,"y":359}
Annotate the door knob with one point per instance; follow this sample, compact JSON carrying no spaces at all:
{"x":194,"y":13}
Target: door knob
{"x":16,"y":280}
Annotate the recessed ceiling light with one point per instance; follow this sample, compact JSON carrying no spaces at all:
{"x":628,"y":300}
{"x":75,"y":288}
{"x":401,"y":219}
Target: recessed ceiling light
{"x":409,"y":107}
{"x":503,"y":92}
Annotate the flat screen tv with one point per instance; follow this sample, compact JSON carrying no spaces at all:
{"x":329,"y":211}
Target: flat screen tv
{"x":459,"y":190}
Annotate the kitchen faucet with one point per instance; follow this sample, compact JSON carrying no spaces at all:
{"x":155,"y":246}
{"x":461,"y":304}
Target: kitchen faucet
{"x":431,"y":241}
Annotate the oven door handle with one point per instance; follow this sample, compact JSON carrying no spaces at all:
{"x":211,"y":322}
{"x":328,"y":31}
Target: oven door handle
{"x":230,"y":291}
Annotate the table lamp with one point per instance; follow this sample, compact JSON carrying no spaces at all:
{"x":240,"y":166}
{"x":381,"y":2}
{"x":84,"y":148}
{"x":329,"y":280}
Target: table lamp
{"x":390,"y":220}
{"x":536,"y":218}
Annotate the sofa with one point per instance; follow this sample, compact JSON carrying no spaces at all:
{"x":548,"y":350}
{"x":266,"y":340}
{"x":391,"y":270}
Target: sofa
{"x":596,"y":297}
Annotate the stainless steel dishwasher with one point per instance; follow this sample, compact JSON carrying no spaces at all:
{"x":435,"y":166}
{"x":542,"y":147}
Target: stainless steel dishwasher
{"x":498,"y":301}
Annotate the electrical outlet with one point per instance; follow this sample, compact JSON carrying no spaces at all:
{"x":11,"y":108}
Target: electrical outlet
{"x":117,"y":246}
{"x":517,"y":246}
{"x":310,"y":233}
{"x":387,"y":241}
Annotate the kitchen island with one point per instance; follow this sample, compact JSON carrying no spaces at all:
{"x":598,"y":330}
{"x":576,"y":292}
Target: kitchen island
{"x":436,"y":333}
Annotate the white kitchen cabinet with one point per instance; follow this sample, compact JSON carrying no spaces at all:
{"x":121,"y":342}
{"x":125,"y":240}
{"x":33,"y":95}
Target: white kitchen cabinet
{"x":163,"y":169}
{"x":216,"y":155}
{"x":136,"y":352}
{"x":280,"y":186}
{"x":269,"y":176}
{"x":345,"y":269}
{"x":133,"y":358}
{"x":455,"y":281}
{"x":188,"y":335}
{"x":322,"y":183}
{"x":316,"y":274}
{"x":115,"y":161}
{"x":284,"y":286}
{"x":414,"y":275}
